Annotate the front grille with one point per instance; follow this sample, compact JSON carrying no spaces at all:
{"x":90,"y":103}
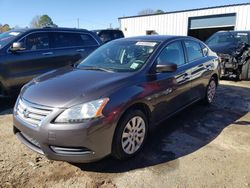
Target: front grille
{"x":31,"y":113}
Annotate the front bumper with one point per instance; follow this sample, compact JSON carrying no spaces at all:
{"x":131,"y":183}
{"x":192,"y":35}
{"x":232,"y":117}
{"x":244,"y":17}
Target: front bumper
{"x":79,"y":143}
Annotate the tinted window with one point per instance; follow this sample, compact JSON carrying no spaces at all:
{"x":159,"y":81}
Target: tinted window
{"x":105,"y":36}
{"x":228,"y":37}
{"x":87,"y":40}
{"x":62,"y":40}
{"x":36,"y":41}
{"x":117,"y":34}
{"x":173,"y":53}
{"x":194,"y":51}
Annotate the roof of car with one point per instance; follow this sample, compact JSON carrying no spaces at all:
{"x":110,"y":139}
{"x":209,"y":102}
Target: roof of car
{"x":50,"y":29}
{"x":159,"y":38}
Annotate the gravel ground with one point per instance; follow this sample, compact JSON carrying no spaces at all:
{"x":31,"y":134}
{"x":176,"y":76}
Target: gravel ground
{"x":200,"y":147}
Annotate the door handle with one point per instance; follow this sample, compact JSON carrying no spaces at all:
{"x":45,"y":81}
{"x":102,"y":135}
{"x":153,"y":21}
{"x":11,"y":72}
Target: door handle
{"x":80,"y":50}
{"x":47,"y":53}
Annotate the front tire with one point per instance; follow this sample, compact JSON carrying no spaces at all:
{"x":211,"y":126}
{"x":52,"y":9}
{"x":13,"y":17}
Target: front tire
{"x":245,"y":73}
{"x":210,"y":91}
{"x":130,"y":135}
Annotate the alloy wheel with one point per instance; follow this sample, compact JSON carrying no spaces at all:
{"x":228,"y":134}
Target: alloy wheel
{"x":133,"y":135}
{"x":211,"y":91}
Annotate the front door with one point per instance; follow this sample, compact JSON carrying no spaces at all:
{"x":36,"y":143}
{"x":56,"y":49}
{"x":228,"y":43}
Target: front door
{"x":36,"y":59}
{"x":174,"y":88}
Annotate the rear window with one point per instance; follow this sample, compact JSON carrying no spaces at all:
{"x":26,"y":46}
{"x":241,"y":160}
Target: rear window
{"x":62,"y":40}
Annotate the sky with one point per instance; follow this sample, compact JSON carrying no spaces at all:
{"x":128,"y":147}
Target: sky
{"x":92,"y":14}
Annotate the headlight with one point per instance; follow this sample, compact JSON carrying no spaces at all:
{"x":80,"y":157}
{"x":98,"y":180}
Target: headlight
{"x":79,"y":113}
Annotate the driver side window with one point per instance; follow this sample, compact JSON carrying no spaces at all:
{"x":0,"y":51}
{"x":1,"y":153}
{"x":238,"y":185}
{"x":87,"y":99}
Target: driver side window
{"x":36,"y":41}
{"x":173,"y":53}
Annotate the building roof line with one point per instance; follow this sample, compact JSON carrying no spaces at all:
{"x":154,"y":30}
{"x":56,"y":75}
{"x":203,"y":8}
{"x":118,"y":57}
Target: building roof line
{"x":188,"y":10}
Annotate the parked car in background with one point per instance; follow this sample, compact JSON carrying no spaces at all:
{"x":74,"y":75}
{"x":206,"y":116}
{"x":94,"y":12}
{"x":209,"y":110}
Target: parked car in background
{"x":107,"y":35}
{"x":106,"y":104}
{"x":27,"y":53}
{"x":233,"y":48}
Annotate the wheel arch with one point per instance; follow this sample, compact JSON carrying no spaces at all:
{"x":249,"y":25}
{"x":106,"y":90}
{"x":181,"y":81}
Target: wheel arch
{"x":216,"y":78}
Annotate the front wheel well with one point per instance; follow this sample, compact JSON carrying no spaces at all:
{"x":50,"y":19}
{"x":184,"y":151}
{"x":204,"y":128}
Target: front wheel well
{"x":216,"y":78}
{"x":138,"y":106}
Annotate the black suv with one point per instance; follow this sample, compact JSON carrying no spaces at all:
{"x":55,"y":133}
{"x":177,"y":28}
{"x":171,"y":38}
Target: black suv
{"x":107,"y":35}
{"x":27,"y":53}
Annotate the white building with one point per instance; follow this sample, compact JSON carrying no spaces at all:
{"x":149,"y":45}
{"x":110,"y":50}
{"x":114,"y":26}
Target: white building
{"x":200,"y":23}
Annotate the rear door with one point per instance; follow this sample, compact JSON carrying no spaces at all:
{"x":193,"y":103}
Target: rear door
{"x":69,"y":47}
{"x":174,"y":88}
{"x":202,"y":66}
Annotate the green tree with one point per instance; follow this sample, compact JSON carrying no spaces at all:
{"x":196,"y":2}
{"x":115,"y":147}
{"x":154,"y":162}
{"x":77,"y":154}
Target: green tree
{"x":4,"y":28}
{"x":42,"y":21}
{"x":150,"y":11}
{"x":159,"y":11}
{"x":45,"y":21}
{"x":146,"y":12}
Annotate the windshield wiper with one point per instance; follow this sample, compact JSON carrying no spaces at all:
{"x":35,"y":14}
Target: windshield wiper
{"x":96,"y":68}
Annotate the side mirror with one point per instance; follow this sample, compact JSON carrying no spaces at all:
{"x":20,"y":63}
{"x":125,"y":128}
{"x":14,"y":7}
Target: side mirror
{"x":168,"y":67}
{"x":205,"y":51}
{"x":17,"y":46}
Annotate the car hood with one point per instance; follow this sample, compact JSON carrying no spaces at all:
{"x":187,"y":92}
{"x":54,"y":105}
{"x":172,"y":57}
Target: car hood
{"x":67,"y":87}
{"x":225,"y":48}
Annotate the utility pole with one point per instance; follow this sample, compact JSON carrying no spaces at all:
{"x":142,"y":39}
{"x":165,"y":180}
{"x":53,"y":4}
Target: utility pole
{"x":78,"y":23}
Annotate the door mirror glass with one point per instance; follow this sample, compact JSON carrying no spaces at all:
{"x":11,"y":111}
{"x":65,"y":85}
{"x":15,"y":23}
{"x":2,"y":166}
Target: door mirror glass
{"x":166,"y":67}
{"x":17,"y":46}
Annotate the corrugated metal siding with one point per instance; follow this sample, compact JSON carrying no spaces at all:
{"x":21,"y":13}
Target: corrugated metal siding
{"x":177,"y":23}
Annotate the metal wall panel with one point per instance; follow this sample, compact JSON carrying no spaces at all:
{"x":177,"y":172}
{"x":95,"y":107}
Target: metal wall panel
{"x":176,"y":23}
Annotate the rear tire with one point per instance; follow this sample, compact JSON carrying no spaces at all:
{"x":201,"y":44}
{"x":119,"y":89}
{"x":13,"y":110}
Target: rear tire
{"x":210,"y":91}
{"x":130,"y":135}
{"x":245,"y":73}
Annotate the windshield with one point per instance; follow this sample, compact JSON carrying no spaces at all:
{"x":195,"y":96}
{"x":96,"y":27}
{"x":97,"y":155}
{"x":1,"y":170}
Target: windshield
{"x":228,"y":37}
{"x":119,"y":56}
{"x":7,"y":37}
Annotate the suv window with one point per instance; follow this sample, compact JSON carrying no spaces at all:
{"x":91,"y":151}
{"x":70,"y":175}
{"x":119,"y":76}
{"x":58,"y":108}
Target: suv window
{"x":106,"y":36}
{"x":117,"y":34}
{"x":194,"y":51}
{"x":62,"y":40}
{"x":173,"y":53}
{"x":36,"y":41}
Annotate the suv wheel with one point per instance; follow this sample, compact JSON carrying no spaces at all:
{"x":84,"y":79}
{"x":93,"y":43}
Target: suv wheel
{"x":210,"y":91}
{"x":245,"y":74}
{"x":130,"y":135}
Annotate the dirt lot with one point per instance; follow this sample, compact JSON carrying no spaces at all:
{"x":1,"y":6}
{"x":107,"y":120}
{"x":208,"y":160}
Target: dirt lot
{"x":200,"y":147}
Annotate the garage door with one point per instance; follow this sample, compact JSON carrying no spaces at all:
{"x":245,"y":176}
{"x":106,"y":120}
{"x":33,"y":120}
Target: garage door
{"x":225,"y":20}
{"x":205,"y":26}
